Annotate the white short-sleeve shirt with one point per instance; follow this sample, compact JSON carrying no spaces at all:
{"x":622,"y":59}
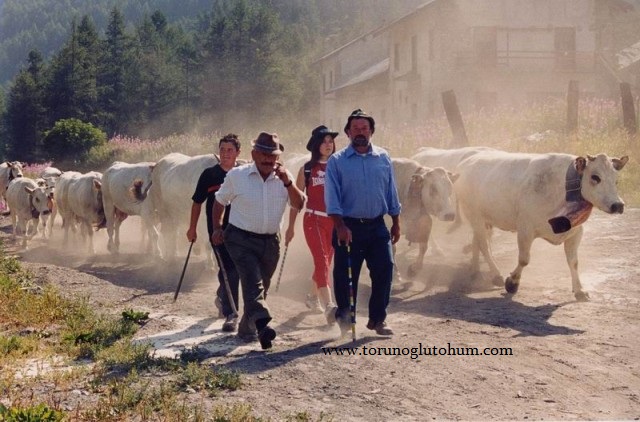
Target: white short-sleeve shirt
{"x":257,"y":205}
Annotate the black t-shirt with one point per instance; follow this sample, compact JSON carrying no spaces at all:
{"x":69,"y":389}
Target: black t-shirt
{"x":208,"y":184}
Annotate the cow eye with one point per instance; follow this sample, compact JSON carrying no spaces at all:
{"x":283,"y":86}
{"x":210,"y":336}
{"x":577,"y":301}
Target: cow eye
{"x":595,"y":178}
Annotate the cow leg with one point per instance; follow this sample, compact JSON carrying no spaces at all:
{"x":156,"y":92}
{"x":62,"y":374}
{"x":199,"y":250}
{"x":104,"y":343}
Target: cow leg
{"x":481,"y":243}
{"x":424,"y":227}
{"x":52,"y":219}
{"x":416,"y":266}
{"x":87,"y":234}
{"x":115,"y":242}
{"x":525,"y":240}
{"x":152,"y":234}
{"x":110,"y":216}
{"x":571,"y":251}
{"x":14,"y":225}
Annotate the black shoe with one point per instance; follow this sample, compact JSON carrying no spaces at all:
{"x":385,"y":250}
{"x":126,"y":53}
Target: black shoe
{"x":266,"y":336}
{"x":344,"y":322}
{"x":381,"y":328}
{"x":230,"y":324}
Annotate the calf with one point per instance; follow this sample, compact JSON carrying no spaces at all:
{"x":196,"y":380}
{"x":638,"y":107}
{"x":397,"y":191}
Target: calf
{"x":27,"y":201}
{"x":424,"y":192}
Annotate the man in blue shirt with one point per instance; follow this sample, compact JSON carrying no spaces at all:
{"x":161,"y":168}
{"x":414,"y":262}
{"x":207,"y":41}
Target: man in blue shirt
{"x":360,"y":189}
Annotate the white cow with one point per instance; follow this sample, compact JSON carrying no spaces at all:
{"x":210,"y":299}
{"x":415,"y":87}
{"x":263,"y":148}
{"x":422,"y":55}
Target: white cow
{"x":174,"y":179}
{"x":27,"y":201}
{"x":124,"y":192}
{"x":50,"y":172}
{"x":51,"y":176}
{"x":522,"y":192}
{"x":423,"y":192}
{"x":48,"y":219}
{"x":80,"y":200}
{"x":9,"y":170}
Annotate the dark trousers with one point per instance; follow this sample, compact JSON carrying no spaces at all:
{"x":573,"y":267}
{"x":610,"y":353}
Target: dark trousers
{"x":371,"y":242}
{"x":255,"y":258}
{"x":224,"y":261}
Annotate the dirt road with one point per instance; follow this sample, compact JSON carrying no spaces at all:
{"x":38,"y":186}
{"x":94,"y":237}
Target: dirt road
{"x":568,"y":360}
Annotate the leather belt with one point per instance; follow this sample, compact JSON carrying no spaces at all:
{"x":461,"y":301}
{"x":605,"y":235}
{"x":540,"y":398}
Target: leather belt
{"x":363,"y":220}
{"x":316,"y":212}
{"x":252,"y":234}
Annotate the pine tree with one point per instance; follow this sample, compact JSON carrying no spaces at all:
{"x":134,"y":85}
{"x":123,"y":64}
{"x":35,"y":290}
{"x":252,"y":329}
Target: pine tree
{"x":25,"y":114}
{"x":112,"y":75}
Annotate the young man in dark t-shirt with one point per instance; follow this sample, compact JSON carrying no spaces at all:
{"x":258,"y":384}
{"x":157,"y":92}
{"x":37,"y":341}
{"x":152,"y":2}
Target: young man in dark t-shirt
{"x":208,"y":184}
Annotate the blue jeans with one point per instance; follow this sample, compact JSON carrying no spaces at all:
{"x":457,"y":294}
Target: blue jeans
{"x":224,"y":261}
{"x":371,"y":242}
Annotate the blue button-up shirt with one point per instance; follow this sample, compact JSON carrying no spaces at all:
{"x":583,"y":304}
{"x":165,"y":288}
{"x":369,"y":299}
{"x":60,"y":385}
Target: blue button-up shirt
{"x":361,"y":186}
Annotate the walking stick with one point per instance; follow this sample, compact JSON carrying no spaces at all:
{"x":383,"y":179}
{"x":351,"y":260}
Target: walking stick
{"x":286,"y":248}
{"x":352,"y":303}
{"x":186,"y":261}
{"x":225,"y":279}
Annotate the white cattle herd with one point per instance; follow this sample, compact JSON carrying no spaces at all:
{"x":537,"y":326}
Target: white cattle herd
{"x":481,"y":186}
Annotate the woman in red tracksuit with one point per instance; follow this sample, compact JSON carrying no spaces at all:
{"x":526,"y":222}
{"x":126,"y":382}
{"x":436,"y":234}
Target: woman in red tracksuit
{"x":317,"y":225}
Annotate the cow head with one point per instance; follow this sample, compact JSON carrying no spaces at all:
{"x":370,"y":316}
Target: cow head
{"x":599,"y":175}
{"x":39,"y":200}
{"x":15,"y":169}
{"x":436,"y":193}
{"x":433,"y":188}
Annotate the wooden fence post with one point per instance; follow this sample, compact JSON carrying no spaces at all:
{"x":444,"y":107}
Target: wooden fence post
{"x":455,"y":119}
{"x":628,"y":108}
{"x":573,"y":95}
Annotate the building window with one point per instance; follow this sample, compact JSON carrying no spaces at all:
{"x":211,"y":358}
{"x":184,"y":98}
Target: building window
{"x":485,"y":45}
{"x":324,"y":81}
{"x":331,"y":79}
{"x":565,"y":48}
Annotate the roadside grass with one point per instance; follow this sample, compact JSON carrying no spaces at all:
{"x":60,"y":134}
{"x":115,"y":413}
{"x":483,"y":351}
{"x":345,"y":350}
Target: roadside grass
{"x":62,"y":361}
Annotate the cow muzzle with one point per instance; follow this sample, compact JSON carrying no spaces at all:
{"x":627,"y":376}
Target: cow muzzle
{"x":617,"y":208}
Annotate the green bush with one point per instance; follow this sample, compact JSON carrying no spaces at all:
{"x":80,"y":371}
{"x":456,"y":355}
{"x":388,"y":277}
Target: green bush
{"x":71,"y":141}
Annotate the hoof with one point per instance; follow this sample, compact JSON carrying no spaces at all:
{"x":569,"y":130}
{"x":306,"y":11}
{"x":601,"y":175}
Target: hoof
{"x":582,"y":296}
{"x":511,"y":286}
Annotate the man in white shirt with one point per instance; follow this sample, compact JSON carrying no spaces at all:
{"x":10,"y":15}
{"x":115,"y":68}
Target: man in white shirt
{"x":258,"y":193}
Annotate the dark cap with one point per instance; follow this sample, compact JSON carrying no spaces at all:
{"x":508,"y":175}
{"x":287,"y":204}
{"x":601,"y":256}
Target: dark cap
{"x":269,"y":143}
{"x":318,"y":134}
{"x":359,"y":114}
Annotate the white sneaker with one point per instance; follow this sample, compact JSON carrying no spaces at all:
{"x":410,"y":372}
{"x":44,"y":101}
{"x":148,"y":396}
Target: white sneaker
{"x":313,"y":303}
